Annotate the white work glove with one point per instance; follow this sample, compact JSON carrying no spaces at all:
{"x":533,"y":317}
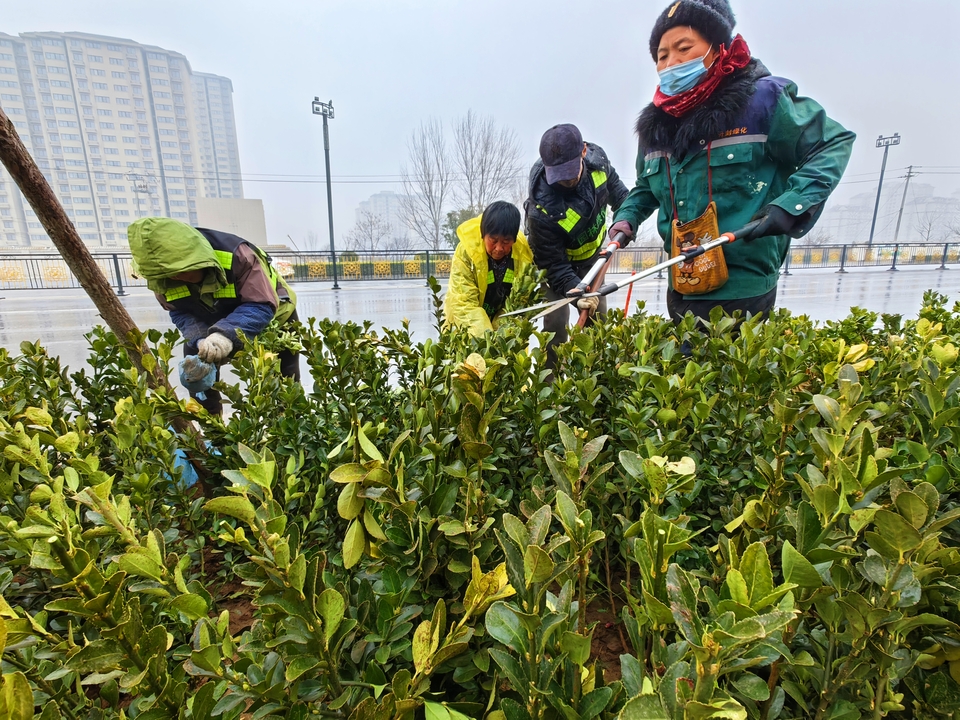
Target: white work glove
{"x":590,"y":304}
{"x":214,"y":348}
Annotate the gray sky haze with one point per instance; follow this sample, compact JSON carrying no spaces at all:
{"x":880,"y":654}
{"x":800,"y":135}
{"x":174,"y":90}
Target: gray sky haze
{"x":878,"y":66}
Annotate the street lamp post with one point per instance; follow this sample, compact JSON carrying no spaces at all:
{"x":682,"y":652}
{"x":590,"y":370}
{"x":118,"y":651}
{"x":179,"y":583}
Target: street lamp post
{"x":885,"y":143}
{"x":141,"y":184}
{"x":326,"y":109}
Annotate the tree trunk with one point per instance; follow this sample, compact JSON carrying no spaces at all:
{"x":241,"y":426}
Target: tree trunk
{"x":40,"y":195}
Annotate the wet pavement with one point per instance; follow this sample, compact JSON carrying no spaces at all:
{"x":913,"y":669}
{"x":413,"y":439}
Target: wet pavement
{"x":60,"y":318}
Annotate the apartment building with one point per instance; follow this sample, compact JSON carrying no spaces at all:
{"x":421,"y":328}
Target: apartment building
{"x":120,"y":130}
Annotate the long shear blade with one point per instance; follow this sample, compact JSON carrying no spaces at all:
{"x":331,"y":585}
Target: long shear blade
{"x":555,"y":306}
{"x":522,"y":311}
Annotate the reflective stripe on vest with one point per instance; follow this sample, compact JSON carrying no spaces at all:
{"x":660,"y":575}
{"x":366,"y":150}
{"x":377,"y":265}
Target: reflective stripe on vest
{"x":570,"y":220}
{"x":587,"y":250}
{"x":175,"y":293}
{"x":224,"y":260}
{"x":508,"y":277}
{"x":599,"y":178}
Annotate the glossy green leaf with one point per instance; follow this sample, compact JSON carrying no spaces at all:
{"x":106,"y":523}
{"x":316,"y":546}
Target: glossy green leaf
{"x":913,"y":508}
{"x":16,"y":697}
{"x":897,"y":531}
{"x":797,"y":569}
{"x":753,"y":687}
{"x":576,"y":646}
{"x":236,"y":507}
{"x":350,"y":473}
{"x":349,"y":503}
{"x":192,"y":606}
{"x":505,"y":627}
{"x":368,"y":448}
{"x":537,"y":565}
{"x":353,"y":544}
{"x":643,"y":707}
{"x":331,"y":607}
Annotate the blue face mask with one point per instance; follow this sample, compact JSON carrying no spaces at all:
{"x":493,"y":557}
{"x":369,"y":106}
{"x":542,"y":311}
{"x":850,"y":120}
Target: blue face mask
{"x":680,"y":78}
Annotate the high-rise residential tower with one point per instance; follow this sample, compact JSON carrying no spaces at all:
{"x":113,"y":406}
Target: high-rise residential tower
{"x":119,"y":129}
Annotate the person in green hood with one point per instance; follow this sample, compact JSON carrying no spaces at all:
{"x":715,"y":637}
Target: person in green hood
{"x":214,"y":284}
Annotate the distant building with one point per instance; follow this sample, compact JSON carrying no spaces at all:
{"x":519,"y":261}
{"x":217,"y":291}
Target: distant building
{"x":243,"y":217}
{"x":386,"y":204}
{"x":119,"y":129}
{"x":927,"y":217}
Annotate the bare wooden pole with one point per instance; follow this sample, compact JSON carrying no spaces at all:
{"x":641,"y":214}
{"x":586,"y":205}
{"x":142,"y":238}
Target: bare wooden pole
{"x":40,"y":195}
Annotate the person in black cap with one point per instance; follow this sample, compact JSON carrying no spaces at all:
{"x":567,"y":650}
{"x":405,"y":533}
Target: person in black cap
{"x":571,"y":186}
{"x":724,"y":143}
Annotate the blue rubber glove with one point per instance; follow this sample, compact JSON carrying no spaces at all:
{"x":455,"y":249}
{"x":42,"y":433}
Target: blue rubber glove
{"x":197,"y":376}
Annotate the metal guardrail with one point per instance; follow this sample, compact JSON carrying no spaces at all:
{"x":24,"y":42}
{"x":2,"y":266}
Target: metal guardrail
{"x":49,"y":271}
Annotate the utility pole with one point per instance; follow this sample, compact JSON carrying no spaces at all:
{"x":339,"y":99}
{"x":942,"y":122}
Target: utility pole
{"x":903,"y":201}
{"x":326,"y":109}
{"x":885,"y":143}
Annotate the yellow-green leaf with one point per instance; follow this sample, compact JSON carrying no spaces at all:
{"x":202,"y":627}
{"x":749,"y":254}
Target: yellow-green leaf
{"x":349,"y":505}
{"x":353,"y":544}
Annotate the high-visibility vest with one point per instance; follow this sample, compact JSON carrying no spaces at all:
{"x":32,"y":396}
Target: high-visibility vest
{"x":588,"y":241}
{"x":224,"y":246}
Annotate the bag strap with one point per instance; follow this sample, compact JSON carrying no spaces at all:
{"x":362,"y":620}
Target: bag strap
{"x":673,"y":200}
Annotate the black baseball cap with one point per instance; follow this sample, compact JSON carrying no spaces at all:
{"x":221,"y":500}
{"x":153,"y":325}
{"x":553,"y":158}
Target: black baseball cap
{"x":560,"y":149}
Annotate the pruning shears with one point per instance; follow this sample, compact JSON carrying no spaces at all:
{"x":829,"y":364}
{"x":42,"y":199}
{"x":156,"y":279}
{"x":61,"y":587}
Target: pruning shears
{"x":612,"y":287}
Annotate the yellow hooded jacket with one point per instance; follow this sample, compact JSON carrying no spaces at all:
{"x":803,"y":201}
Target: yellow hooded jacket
{"x":463,"y":304}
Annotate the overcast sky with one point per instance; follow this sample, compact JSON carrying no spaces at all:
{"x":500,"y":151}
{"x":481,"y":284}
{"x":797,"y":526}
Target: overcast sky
{"x":878,"y":66}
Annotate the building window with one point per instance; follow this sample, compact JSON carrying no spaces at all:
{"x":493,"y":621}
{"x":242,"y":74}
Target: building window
{"x":95,"y":58}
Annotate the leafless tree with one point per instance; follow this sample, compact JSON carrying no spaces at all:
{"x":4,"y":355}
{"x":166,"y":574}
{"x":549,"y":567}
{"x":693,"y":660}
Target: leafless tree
{"x":818,"y":237}
{"x":372,"y":232}
{"x":313,"y":242}
{"x":402,"y":242}
{"x":426,"y":184}
{"x":488,"y":161}
{"x":953,"y":229}
{"x":930,"y":227}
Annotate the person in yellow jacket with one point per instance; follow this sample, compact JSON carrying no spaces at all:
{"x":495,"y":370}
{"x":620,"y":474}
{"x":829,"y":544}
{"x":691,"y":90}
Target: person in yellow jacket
{"x":491,"y":252}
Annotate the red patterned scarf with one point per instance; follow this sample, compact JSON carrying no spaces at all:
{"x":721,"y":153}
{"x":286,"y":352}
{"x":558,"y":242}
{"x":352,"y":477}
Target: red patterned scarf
{"x":727,"y":60}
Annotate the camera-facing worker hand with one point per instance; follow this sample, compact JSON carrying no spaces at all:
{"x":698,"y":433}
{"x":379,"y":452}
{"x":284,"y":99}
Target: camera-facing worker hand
{"x":590,"y":304}
{"x":774,"y":220}
{"x":215,"y":348}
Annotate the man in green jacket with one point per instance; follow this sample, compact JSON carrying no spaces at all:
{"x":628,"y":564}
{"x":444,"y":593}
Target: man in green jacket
{"x":721,"y":127}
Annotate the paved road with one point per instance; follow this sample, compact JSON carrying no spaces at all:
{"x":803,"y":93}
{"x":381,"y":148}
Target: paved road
{"x":59,"y":318}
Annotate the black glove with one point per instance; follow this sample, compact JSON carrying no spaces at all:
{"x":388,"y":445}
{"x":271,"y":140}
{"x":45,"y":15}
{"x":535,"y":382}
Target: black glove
{"x":773,"y":221}
{"x":621,"y":227}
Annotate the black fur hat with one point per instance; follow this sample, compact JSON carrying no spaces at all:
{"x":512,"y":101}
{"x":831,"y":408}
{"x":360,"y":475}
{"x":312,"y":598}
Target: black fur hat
{"x":711,"y":18}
